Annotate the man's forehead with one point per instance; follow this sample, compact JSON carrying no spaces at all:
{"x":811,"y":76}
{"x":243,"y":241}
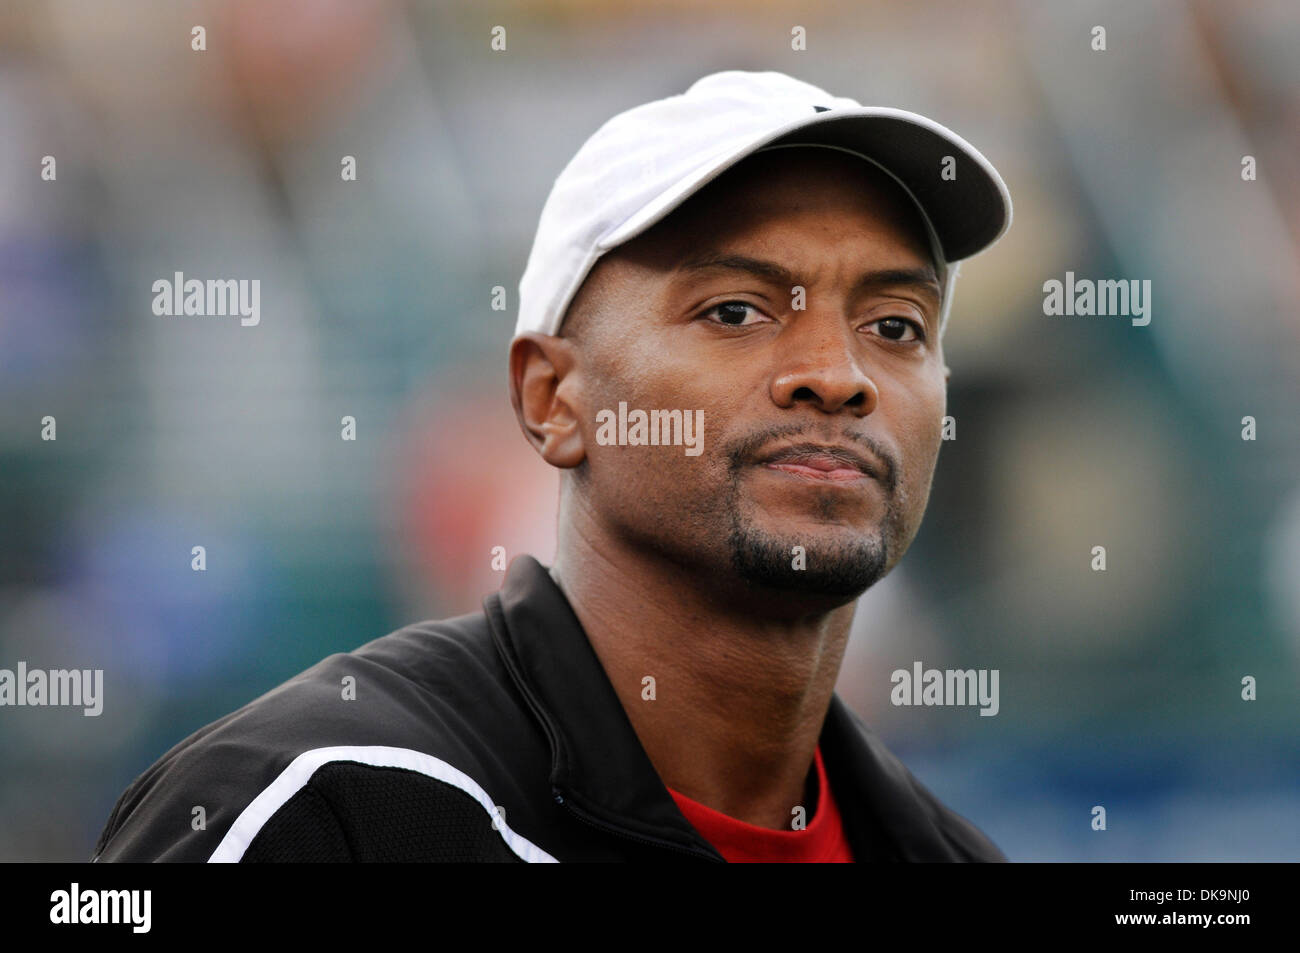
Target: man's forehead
{"x":901,"y":269}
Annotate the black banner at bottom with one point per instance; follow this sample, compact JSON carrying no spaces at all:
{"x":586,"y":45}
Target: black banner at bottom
{"x":133,"y":903}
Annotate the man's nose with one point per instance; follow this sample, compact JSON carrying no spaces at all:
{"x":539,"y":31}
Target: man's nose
{"x":820,"y":364}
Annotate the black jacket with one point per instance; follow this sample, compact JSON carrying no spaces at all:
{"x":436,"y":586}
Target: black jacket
{"x":489,"y":737}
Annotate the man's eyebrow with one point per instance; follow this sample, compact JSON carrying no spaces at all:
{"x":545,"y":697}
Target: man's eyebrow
{"x":753,"y":266}
{"x":922,"y":279}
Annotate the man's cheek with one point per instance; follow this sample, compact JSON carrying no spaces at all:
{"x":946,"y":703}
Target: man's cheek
{"x":928,"y":423}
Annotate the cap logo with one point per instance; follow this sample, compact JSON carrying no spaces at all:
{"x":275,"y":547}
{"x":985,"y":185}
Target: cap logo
{"x":821,"y":109}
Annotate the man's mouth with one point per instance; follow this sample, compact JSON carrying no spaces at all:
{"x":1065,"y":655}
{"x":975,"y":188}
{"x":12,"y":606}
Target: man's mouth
{"x":830,"y":464}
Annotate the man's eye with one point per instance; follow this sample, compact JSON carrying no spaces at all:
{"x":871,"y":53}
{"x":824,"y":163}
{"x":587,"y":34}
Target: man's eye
{"x":895,"y":329}
{"x":734,"y":313}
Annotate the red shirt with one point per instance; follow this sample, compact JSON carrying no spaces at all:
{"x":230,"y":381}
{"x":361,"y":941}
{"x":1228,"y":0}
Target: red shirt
{"x":821,"y":842}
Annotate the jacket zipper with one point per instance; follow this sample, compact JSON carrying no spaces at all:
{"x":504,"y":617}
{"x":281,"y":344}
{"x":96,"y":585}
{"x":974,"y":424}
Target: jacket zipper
{"x":629,"y":835}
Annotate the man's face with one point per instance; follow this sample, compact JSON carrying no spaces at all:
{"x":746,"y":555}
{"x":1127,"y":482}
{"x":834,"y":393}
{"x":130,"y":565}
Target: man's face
{"x":700,"y":313}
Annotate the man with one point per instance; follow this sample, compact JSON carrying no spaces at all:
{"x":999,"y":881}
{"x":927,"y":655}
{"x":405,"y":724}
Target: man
{"x":729,"y":341}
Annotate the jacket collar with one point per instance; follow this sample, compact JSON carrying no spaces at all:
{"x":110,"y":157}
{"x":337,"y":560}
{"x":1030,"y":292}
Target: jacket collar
{"x":600,"y":769}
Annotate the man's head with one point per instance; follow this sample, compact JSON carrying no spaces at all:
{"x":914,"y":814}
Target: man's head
{"x":699,"y":313}
{"x":796,"y":301}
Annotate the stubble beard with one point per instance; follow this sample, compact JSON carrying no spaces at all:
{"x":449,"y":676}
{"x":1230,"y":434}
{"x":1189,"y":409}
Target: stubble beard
{"x":845,"y":566}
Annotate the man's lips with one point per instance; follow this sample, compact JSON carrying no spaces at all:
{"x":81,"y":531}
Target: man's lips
{"x":832,"y":464}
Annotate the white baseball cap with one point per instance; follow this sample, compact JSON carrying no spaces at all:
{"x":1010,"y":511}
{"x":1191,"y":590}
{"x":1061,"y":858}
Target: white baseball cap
{"x":644,"y":163}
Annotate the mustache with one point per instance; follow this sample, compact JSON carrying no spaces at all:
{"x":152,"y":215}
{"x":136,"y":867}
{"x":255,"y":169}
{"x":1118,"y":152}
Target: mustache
{"x":741,"y":453}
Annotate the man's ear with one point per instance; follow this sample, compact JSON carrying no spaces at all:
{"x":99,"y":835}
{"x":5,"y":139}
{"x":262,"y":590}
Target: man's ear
{"x":544,"y":389}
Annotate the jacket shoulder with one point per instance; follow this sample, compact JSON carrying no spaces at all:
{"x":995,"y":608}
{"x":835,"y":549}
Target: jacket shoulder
{"x":391,"y":813}
{"x":419,"y":710}
{"x":964,"y":838}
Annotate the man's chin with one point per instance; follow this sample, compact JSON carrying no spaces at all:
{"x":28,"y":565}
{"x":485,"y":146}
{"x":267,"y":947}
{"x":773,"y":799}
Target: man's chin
{"x":839,"y":569}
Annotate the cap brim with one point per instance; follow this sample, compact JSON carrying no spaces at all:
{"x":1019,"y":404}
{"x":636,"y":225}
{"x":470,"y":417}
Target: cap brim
{"x":969,"y":206}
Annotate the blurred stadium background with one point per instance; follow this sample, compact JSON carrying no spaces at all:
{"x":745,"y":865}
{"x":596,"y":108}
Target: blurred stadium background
{"x":1119,"y":688}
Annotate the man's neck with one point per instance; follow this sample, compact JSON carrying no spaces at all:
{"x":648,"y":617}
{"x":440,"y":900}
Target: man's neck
{"x":727,"y":704}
